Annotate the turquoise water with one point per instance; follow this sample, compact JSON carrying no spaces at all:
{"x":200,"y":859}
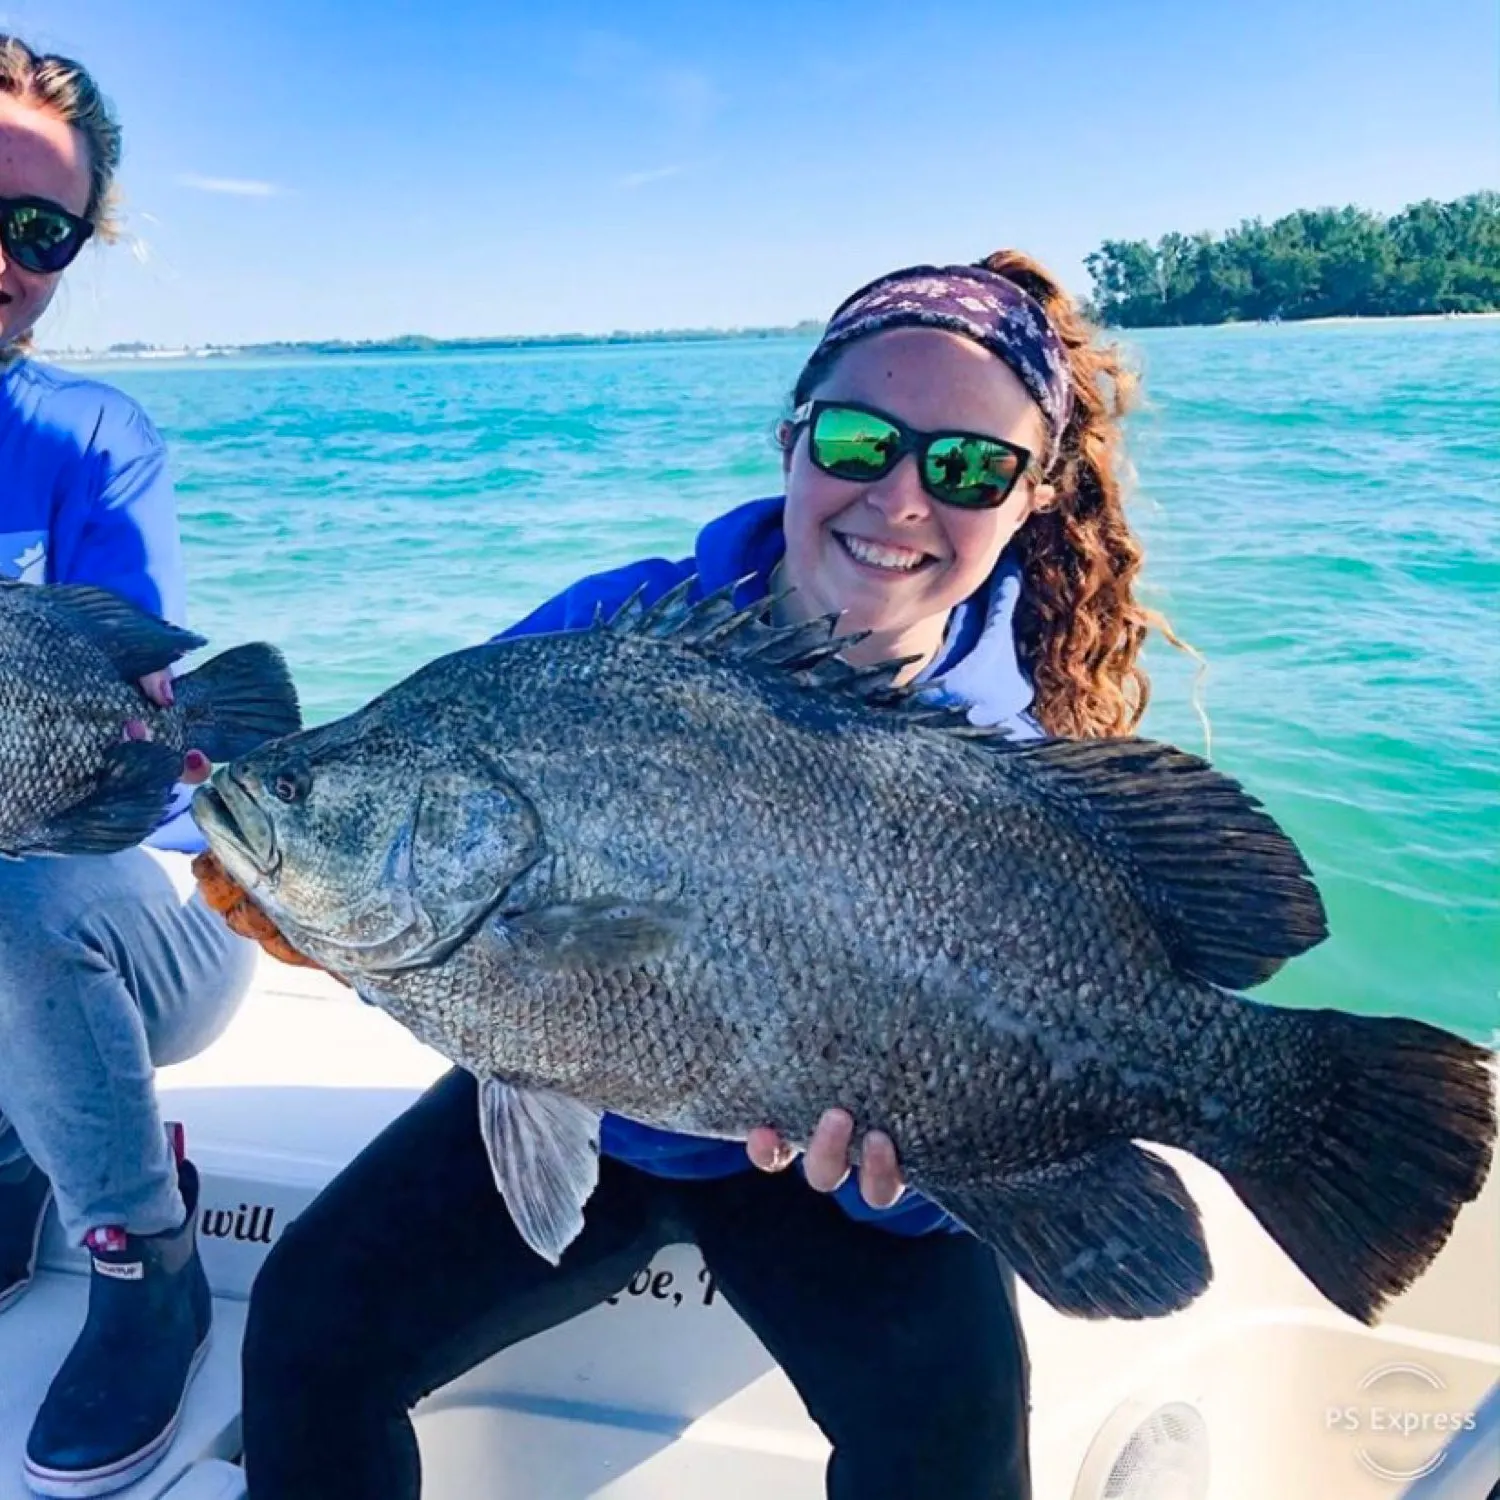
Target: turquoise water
{"x":1320,"y":504}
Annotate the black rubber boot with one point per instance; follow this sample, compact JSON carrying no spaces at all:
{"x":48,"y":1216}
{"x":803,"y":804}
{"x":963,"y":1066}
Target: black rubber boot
{"x":24,"y":1196}
{"x":112,"y":1411}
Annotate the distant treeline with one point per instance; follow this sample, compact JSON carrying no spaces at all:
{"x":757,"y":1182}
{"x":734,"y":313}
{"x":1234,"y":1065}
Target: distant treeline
{"x":420,"y":343}
{"x":1316,"y":263}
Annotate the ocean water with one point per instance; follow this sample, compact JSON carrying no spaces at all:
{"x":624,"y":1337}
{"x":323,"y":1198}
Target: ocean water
{"x":1320,"y":504}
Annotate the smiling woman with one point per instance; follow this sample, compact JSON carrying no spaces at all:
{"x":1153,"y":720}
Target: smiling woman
{"x":950,"y":491}
{"x":104,"y":971}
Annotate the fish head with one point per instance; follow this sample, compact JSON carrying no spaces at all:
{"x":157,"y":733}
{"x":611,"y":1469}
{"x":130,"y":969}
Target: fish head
{"x":372,"y":852}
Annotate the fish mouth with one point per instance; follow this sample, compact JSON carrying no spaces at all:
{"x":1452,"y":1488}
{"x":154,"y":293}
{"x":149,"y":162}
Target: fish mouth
{"x":234,"y":824}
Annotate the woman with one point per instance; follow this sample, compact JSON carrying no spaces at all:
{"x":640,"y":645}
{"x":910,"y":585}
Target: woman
{"x":104,"y":971}
{"x":950,"y":489}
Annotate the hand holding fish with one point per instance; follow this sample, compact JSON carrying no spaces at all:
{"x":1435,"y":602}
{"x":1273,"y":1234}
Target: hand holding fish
{"x":827,"y":1158}
{"x":157,"y":686}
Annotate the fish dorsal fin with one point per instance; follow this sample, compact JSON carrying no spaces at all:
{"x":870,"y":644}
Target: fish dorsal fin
{"x":809,"y":652}
{"x":1227,"y":890}
{"x":135,"y":641}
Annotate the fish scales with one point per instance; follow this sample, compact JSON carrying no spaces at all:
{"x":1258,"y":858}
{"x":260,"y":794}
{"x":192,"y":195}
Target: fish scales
{"x":707,"y":877}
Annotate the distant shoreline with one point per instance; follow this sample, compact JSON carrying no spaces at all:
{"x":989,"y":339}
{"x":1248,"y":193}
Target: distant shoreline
{"x":421,"y":344}
{"x":1442,"y":317}
{"x":415,"y":344}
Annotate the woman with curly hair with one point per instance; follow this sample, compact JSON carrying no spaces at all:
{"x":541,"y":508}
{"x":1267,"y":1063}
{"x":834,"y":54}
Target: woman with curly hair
{"x":951,"y":489}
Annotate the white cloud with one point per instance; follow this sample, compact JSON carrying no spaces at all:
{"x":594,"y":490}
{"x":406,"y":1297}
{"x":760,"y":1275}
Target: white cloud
{"x":633,"y":180}
{"x":237,"y":187}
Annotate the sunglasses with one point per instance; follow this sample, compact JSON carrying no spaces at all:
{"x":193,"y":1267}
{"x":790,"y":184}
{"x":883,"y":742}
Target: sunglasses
{"x":39,"y":235}
{"x":964,"y":469}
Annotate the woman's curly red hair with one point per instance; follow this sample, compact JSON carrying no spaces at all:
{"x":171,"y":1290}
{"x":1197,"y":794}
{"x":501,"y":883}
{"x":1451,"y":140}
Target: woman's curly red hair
{"x":1079,"y":626}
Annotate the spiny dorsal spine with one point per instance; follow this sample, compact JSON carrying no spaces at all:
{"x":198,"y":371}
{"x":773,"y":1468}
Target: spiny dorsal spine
{"x":808,"y":653}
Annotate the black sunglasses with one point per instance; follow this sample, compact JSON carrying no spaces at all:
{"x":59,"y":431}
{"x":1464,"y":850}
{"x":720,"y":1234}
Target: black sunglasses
{"x":966,"y":469}
{"x":40,"y":235}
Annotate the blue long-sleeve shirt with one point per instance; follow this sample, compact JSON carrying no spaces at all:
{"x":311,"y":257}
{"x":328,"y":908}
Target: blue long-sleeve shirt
{"x":976,"y":668}
{"x":85,"y":497}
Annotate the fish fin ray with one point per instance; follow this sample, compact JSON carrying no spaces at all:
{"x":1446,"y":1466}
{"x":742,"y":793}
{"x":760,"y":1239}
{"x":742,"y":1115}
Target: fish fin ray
{"x":136,"y":641}
{"x":543,"y":1149}
{"x":1228,"y":891}
{"x":128,"y":801}
{"x":666,"y":615}
{"x":602,"y":933}
{"x":624,"y":618}
{"x":1112,"y":1233}
{"x":238,"y":700}
{"x":1395,"y":1133}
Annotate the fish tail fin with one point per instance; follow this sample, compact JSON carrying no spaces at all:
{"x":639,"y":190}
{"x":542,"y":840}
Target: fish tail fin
{"x":238,"y":700}
{"x":1364,"y":1175}
{"x":1110,"y":1233}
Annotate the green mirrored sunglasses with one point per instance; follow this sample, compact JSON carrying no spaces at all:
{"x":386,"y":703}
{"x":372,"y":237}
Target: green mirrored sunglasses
{"x":859,"y":443}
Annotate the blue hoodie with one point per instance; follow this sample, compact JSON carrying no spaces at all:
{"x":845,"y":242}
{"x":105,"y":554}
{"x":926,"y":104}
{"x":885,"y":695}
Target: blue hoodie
{"x":977,"y":668}
{"x":84,"y":491}
{"x":85,"y":497}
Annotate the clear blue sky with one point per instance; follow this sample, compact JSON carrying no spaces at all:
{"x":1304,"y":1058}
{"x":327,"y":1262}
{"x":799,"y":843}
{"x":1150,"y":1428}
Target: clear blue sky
{"x":360,"y":168}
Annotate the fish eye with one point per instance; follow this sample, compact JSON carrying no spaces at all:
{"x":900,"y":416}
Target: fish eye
{"x":291,"y":784}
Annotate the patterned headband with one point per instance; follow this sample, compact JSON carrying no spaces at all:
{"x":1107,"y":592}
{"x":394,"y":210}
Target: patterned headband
{"x":977,"y":304}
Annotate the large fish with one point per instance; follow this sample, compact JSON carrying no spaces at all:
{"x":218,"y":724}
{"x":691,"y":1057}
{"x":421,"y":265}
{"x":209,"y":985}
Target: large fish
{"x":699,"y":872}
{"x":71,"y":782}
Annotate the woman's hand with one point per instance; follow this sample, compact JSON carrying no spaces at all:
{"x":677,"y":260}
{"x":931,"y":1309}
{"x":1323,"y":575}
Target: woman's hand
{"x":157,"y":687}
{"x":827,"y":1158}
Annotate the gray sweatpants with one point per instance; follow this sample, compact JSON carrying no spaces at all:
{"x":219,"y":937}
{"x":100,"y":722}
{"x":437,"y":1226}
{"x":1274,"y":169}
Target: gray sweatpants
{"x":105,"y":974}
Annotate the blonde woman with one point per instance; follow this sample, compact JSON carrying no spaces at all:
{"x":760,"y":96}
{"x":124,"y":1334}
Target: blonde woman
{"x":104,"y":971}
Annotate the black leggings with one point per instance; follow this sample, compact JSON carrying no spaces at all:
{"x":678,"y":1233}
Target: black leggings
{"x":407,"y":1271}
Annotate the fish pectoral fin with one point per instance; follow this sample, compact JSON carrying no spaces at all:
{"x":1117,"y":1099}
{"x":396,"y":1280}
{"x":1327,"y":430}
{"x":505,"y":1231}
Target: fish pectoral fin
{"x":544,"y":1152}
{"x":1112,"y":1233}
{"x":129,"y":799}
{"x":136,"y":642}
{"x":599,"y":934}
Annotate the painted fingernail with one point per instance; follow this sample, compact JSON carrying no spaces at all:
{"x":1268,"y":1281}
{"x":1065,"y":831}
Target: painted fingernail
{"x":135,"y":729}
{"x":196,"y":762}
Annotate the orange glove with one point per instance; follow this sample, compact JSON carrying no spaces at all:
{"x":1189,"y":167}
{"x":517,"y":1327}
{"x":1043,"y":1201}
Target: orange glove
{"x":227,"y":897}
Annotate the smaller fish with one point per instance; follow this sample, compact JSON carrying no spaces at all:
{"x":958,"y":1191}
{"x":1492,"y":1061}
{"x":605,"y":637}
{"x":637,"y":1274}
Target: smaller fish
{"x":72,"y":780}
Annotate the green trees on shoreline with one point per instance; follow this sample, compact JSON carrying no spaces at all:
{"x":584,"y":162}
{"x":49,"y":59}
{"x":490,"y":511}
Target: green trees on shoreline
{"x":1316,"y":263}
